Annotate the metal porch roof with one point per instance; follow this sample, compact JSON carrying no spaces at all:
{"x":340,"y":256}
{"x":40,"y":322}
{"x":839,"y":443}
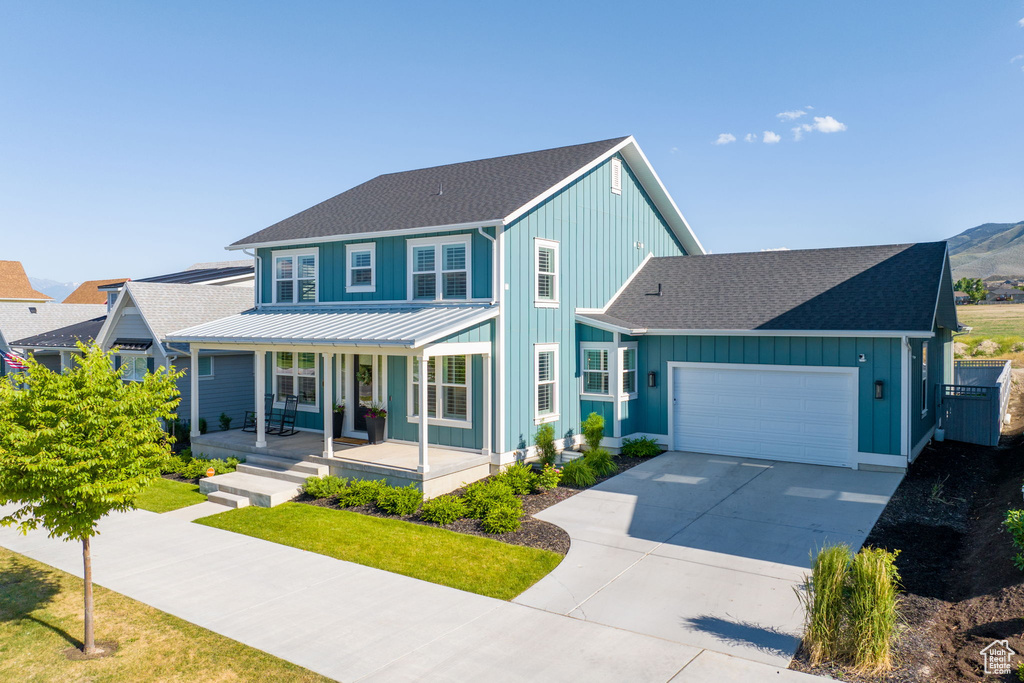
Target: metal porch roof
{"x":408,"y":326}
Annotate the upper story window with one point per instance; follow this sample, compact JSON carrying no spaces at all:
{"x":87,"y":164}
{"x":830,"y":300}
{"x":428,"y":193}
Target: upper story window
{"x":295,"y":276}
{"x":439,"y":268}
{"x":617,"y":176}
{"x":546,"y":266}
{"x":360,"y":267}
{"x":134,"y":368}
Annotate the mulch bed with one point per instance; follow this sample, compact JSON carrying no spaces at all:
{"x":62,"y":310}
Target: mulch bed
{"x":533,"y":533}
{"x":961,"y":590}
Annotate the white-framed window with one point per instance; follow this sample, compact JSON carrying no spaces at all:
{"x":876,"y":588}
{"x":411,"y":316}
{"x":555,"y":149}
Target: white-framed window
{"x":545,"y":263}
{"x":205,"y":366}
{"x":361,"y":267}
{"x":296,"y":276}
{"x":439,"y":268}
{"x":616,"y":176}
{"x":452,"y":385}
{"x":924,"y":378}
{"x":296,"y":373}
{"x":627,"y":370}
{"x":595,"y":370}
{"x":134,"y":368}
{"x":545,"y":373}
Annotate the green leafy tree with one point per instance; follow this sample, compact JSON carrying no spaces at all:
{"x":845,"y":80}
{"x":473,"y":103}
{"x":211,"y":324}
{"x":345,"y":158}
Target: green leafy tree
{"x":972,"y":287}
{"x":78,"y":445}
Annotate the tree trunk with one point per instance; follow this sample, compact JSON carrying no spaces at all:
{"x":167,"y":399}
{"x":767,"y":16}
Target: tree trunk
{"x":90,"y":642}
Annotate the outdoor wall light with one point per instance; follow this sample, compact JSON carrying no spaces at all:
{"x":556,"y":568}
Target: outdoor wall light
{"x":652,"y":379}
{"x":862,"y":358}
{"x":879,"y":386}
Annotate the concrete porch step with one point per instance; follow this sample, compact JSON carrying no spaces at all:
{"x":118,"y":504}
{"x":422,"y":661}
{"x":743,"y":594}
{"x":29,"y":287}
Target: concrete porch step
{"x":261,"y":491}
{"x":294,"y":476}
{"x":228,"y":499}
{"x":283,"y":463}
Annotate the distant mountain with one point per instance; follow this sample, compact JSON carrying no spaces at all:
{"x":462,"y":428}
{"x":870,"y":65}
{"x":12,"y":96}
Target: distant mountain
{"x":58,"y":290}
{"x":987,"y":250}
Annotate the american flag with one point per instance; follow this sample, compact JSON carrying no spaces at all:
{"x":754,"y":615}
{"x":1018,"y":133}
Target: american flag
{"x":15,"y":361}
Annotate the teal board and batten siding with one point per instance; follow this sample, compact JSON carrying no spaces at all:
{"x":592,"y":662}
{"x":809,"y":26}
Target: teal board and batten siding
{"x":879,"y":419}
{"x":597,"y":232}
{"x":923,"y":409}
{"x":391,"y":267}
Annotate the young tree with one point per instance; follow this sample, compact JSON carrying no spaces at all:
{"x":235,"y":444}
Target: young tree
{"x":972,"y":287}
{"x":78,"y":445}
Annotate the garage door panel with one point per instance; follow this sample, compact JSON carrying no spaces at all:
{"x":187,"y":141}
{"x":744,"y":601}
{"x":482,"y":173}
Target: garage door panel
{"x":780,"y":413}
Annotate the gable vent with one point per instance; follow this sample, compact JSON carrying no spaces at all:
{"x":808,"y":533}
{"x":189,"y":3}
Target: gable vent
{"x":617,"y":176}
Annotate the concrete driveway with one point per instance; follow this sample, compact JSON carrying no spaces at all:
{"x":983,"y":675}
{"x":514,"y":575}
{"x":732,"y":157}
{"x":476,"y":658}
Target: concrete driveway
{"x":706,"y":550}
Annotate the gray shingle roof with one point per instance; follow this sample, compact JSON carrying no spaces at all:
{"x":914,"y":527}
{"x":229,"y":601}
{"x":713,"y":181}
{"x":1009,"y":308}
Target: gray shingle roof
{"x":169,"y":307}
{"x":64,"y":337}
{"x":473,"y":191}
{"x":891,"y":288}
{"x":18,"y":321}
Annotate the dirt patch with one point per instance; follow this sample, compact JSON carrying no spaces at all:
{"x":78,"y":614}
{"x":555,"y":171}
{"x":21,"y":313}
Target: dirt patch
{"x":961,"y":590}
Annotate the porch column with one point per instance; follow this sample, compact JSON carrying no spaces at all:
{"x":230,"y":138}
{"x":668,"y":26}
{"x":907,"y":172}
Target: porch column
{"x":424,"y":430}
{"x":260,"y":359}
{"x":65,"y":360}
{"x":328,"y":398}
{"x":193,"y":372}
{"x":486,"y":417}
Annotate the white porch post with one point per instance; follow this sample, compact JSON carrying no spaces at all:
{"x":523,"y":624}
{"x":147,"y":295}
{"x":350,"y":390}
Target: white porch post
{"x":65,"y":360}
{"x":424,"y":465}
{"x":328,"y":399}
{"x":261,"y":404}
{"x":193,"y":372}
{"x":486,"y":417}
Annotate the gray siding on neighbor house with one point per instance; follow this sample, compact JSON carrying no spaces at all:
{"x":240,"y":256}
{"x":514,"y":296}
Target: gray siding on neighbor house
{"x":229,"y":391}
{"x":49,"y":360}
{"x":130,"y":327}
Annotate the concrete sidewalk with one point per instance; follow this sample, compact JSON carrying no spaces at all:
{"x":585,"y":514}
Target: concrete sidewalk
{"x":355,"y":623}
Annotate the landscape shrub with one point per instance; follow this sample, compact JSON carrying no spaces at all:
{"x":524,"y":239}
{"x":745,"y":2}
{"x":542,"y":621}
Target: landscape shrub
{"x":578,"y":473}
{"x":547,"y":478}
{"x":443,"y":510}
{"x":642,"y":447}
{"x":360,"y":492}
{"x":600,"y":461}
{"x":202,"y":425}
{"x":188,"y":467}
{"x":851,"y":607}
{"x":544,"y":440}
{"x":593,"y":431}
{"x":504,"y":517}
{"x":519,"y":477}
{"x":482,"y":495}
{"x":400,"y":500}
{"x":225,"y":422}
{"x":1014,"y":523}
{"x":324,"y":487}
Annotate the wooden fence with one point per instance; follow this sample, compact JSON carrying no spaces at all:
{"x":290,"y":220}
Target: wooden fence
{"x":972,"y":409}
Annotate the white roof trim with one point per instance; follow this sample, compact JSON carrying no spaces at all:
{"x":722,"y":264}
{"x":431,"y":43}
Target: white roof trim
{"x":103,"y":340}
{"x":611,"y":327}
{"x":301,"y":241}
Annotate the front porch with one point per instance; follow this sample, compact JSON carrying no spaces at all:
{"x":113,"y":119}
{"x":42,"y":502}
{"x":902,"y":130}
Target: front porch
{"x":394,"y":461}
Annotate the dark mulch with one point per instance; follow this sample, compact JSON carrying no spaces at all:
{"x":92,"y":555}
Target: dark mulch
{"x":961,"y":588}
{"x":177,"y":477}
{"x":533,"y":533}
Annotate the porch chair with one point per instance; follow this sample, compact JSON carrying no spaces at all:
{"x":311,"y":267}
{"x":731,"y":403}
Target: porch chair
{"x":283,"y":423}
{"x":249,"y":424}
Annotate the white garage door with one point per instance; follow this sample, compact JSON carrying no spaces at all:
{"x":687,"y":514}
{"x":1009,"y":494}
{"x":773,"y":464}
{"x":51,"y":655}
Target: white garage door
{"x":765,"y":411}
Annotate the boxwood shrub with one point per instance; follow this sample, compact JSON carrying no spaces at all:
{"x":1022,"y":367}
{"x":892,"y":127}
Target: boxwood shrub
{"x":443,"y":510}
{"x":360,"y":492}
{"x":324,"y":487}
{"x":642,"y":447}
{"x":400,"y":500}
{"x":519,"y":477}
{"x":482,"y":495}
{"x":503,"y":516}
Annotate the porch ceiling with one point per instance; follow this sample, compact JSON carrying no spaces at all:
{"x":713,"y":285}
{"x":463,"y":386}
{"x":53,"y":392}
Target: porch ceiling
{"x":404,"y":326}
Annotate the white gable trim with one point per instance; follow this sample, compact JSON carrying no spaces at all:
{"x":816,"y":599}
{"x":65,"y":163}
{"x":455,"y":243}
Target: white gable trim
{"x":114,"y":316}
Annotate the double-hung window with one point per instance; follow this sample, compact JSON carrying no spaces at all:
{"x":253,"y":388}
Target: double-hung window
{"x":451,"y":384}
{"x":596,"y":371}
{"x":295,"y":276}
{"x":627,"y":369}
{"x":134,"y":368}
{"x":296,"y":374}
{"x":924,"y":378}
{"x":360,"y":262}
{"x":546,"y":382}
{"x":439,"y":268}
{"x":546,"y":267}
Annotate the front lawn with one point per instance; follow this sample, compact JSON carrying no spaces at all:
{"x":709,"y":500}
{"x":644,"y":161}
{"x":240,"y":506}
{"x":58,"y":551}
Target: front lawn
{"x":164,"y":495}
{"x":469,"y":563}
{"x":41,"y":616}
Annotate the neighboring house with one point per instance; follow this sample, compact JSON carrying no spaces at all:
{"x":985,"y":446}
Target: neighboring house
{"x":89,"y":292}
{"x":144,"y":313}
{"x":222,"y":273}
{"x":1003,"y":295}
{"x":15,"y":285}
{"x":56,"y":348}
{"x":537,"y":288}
{"x":20,"y":320}
{"x":961,"y":298}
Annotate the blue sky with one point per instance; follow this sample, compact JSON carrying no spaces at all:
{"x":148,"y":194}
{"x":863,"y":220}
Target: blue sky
{"x":137,"y":138}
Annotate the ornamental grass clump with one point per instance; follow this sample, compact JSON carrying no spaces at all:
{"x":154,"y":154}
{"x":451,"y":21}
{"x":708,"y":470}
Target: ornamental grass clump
{"x":600,"y":461}
{"x":444,"y":510}
{"x":578,"y":473}
{"x":823,"y":602}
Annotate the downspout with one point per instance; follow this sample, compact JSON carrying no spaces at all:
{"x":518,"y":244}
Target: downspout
{"x":257,"y":272}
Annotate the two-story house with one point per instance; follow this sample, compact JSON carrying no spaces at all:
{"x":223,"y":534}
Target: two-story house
{"x":507,"y":293}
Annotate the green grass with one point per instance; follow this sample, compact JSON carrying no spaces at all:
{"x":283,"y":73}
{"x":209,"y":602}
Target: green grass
{"x":993,"y":320}
{"x":41,"y":616}
{"x":469,"y":563}
{"x":164,"y":495}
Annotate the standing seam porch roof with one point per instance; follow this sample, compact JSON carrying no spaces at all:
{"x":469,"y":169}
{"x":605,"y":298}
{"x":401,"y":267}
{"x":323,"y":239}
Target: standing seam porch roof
{"x":403,"y":326}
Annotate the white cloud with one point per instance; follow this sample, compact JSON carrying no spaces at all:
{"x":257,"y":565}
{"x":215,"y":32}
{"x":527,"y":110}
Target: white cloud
{"x":1021,"y":23}
{"x":790,"y":115}
{"x":827,"y":124}
{"x":750,"y":137}
{"x":770,"y":137}
{"x":725,"y":139}
{"x":798,"y":132}
{"x":673,"y":150}
{"x":776,"y":249}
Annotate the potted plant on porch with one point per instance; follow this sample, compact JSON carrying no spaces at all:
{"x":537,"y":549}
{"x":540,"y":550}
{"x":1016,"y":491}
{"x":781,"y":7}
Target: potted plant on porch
{"x":339,"y":419}
{"x":376,"y":416}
